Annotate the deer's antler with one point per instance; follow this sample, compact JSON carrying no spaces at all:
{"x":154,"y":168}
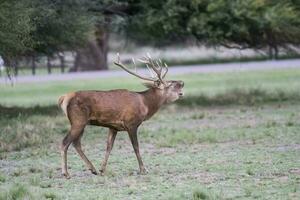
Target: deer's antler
{"x":118,"y":63}
{"x":156,"y":66}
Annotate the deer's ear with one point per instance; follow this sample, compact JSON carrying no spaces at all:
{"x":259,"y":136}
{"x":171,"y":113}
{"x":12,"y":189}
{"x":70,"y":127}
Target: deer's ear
{"x":154,"y":85}
{"x":149,"y":84}
{"x":160,"y":86}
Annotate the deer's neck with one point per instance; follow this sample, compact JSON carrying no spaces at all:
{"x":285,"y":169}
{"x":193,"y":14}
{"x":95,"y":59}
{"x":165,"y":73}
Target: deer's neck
{"x":153,"y":100}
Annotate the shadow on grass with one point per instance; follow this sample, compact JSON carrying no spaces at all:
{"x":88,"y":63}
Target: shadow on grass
{"x":22,"y":127}
{"x":240,"y":97}
{"x":15,"y":111}
{"x":247,"y":97}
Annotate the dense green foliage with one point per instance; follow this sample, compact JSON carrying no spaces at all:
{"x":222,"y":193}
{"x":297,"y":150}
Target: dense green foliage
{"x":48,"y":26}
{"x":232,"y":23}
{"x":59,"y":25}
{"x":42,"y":27}
{"x":15,"y":27}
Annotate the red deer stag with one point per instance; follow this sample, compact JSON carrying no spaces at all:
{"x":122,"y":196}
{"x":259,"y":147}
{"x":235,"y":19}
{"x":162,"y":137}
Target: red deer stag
{"x":118,"y":110}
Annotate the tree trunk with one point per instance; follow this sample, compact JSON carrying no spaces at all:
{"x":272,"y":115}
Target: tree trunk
{"x":90,"y":58}
{"x":49,"y":66}
{"x":7,"y":65}
{"x":273,"y":52}
{"x":270,"y":52}
{"x":94,"y":55}
{"x":15,"y":65}
{"x":33,"y":66}
{"x":12,"y":64}
{"x":102,"y":37}
{"x":276,"y":52}
{"x":76,"y":62}
{"x":62,"y":62}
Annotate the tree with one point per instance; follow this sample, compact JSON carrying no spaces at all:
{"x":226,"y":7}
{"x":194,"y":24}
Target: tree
{"x":247,"y":24}
{"x":93,"y":56}
{"x":42,"y":27}
{"x":46,"y":27}
{"x":59,"y":27}
{"x":15,"y":29}
{"x":239,"y":24}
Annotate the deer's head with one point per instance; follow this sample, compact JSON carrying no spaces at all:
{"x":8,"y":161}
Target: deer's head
{"x":170,"y":89}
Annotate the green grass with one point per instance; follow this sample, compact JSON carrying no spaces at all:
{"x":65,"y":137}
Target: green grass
{"x":16,"y":192}
{"x":229,"y":152}
{"x":202,"y":89}
{"x":241,"y":143}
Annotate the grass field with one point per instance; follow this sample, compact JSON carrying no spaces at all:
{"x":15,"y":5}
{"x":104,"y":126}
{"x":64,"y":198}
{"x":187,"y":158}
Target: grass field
{"x":235,"y":136}
{"x":273,"y":85}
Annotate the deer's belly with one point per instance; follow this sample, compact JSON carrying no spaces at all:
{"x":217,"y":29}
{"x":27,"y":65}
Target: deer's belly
{"x":115,"y":125}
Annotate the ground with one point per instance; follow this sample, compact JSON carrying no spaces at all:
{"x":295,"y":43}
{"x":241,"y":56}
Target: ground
{"x":193,"y":150}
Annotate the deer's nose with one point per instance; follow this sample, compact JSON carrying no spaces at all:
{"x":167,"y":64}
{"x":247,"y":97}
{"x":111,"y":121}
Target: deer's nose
{"x":181,"y":94}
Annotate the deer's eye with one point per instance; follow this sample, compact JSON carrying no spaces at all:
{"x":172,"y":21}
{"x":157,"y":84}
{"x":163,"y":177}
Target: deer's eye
{"x":177,"y":86}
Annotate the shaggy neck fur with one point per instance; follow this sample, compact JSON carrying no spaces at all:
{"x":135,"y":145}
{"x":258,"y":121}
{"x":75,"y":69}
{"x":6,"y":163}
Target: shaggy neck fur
{"x":153,"y":99}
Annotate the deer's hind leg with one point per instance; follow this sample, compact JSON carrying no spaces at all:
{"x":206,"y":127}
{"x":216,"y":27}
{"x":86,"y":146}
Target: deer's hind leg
{"x":77,"y":145}
{"x":74,"y":133}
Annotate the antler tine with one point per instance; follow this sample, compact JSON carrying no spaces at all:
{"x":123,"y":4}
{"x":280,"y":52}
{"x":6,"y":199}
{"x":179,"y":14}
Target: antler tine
{"x":155,"y":66}
{"x":158,"y":66}
{"x":148,"y":56}
{"x":118,"y":57}
{"x":160,"y":62}
{"x":167,"y":69}
{"x":151,"y":72}
{"x":118,"y":63}
{"x":151,"y":65}
{"x":133,"y":61}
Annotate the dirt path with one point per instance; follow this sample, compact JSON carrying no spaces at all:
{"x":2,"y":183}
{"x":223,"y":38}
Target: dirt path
{"x":208,"y":68}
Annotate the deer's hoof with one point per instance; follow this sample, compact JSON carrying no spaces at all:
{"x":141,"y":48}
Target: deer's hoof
{"x":66,"y":175}
{"x":94,"y":171}
{"x":143,"y":171}
{"x":102,"y":172}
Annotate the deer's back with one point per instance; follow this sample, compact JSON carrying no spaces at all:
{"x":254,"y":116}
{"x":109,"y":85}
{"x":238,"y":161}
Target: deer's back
{"x":116,"y":108}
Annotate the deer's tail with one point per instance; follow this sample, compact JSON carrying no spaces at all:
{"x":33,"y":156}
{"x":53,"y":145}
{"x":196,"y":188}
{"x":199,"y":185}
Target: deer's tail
{"x":64,"y":100}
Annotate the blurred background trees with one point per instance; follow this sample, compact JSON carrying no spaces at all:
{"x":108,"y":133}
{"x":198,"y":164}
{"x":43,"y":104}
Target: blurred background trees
{"x":60,"y":25}
{"x":43,"y":29}
{"x":15,"y":30}
{"x":257,"y":24}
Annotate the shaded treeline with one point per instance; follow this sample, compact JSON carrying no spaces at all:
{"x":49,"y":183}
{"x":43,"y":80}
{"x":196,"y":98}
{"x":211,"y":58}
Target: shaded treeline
{"x":34,"y":30}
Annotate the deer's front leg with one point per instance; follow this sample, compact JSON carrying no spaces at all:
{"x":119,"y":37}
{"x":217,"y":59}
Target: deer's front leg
{"x":134,"y":141}
{"x":110,"y":143}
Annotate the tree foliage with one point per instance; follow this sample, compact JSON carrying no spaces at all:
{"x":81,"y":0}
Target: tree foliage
{"x":231,"y":23}
{"x":42,"y":26}
{"x":247,"y":23}
{"x":60,"y":25}
{"x":15,"y":27}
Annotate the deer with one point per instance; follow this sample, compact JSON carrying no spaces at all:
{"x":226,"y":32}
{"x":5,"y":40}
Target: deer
{"x":118,"y":110}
